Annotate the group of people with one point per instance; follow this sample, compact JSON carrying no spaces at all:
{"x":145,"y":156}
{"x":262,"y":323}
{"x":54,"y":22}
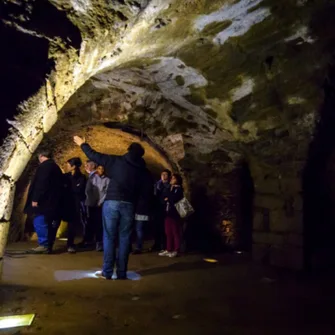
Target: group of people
{"x":118,"y":195}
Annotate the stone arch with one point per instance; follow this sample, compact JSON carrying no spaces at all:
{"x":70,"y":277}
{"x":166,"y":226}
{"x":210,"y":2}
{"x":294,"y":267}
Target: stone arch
{"x":102,"y":137}
{"x":228,"y":92}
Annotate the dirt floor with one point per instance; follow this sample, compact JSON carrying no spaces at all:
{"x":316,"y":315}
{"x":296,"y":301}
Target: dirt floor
{"x":167,"y":296}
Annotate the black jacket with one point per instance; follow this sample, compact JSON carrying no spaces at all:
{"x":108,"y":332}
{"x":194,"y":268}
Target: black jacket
{"x":126,"y":174}
{"x":174,"y":195}
{"x":45,"y":189}
{"x":73,"y":195}
{"x":145,"y":199}
{"x":161,"y":192}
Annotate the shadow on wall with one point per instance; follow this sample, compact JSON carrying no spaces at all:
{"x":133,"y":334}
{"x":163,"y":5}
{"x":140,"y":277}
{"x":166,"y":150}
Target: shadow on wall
{"x":201,"y":233}
{"x":234,"y":205}
{"x":244,"y":210}
{"x":319,"y":186}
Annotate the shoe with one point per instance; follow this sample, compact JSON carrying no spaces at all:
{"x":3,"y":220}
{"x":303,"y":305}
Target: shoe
{"x":173,"y":254}
{"x":99,"y":246}
{"x":121,"y":278}
{"x":164,"y":253}
{"x":40,"y":250}
{"x":136,"y":252}
{"x":101,"y":275}
{"x":71,"y":250}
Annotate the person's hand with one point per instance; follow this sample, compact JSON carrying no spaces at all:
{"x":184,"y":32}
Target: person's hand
{"x":34,"y":204}
{"x":166,"y":199}
{"x":79,"y":140}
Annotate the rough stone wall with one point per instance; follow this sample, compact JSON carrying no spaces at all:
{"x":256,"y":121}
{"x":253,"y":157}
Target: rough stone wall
{"x":212,"y":81}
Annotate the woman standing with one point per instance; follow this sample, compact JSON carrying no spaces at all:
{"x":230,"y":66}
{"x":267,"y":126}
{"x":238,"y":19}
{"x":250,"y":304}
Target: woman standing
{"x":173,"y":225}
{"x":74,"y":207}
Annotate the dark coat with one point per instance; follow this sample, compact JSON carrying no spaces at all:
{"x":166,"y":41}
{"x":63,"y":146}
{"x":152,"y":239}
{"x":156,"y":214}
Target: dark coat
{"x":45,"y":189}
{"x":144,"y":204}
{"x":174,"y":195}
{"x":125,"y":173}
{"x":73,"y":195}
{"x":161,"y":192}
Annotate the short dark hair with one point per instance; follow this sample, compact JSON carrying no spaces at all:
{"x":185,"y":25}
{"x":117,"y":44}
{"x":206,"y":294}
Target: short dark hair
{"x":179,"y":178}
{"x":168,"y":172}
{"x":45,"y":152}
{"x":136,"y":149}
{"x":75,"y":161}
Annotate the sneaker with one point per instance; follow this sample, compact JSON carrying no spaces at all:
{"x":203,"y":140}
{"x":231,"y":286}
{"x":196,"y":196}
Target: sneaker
{"x":101,"y":275}
{"x":164,"y":253}
{"x":173,"y":254}
{"x":136,"y":252}
{"x":40,"y":250}
{"x":71,"y":250}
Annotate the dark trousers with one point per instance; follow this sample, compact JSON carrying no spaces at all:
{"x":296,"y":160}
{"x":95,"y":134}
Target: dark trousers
{"x":173,"y":231}
{"x":139,"y":229}
{"x":94,"y":225}
{"x":159,"y":229}
{"x":79,"y":218}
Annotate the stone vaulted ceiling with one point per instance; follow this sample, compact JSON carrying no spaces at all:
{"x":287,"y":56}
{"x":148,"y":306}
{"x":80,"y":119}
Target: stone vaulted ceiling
{"x":229,"y":80}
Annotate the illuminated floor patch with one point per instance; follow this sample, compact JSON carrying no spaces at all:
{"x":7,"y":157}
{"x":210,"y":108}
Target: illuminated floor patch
{"x":66,"y":275}
{"x":16,"y":321}
{"x":210,"y":260}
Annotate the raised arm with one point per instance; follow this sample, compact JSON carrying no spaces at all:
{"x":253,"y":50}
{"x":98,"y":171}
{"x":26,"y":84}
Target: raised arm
{"x":97,"y":157}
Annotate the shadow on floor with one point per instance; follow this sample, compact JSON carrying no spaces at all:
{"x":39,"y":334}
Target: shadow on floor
{"x":197,"y":265}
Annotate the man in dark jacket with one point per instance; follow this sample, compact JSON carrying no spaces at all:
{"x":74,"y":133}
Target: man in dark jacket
{"x":44,"y":201}
{"x":125,"y":174}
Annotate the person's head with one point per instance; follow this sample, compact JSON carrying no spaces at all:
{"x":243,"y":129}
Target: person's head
{"x":176,"y":179}
{"x":166,"y":175}
{"x":90,"y":166}
{"x":73,"y":164}
{"x":43,"y":155}
{"x":100,"y":170}
{"x":136,"y":150}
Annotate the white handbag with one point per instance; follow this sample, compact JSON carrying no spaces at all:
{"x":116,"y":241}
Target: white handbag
{"x":184,"y":208}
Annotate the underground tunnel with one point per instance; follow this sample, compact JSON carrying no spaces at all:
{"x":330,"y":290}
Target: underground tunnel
{"x":237,"y":96}
{"x":235,"y":108}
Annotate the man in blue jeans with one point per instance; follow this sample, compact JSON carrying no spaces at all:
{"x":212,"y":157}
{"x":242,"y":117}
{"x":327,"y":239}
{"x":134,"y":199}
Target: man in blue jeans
{"x":44,"y":201}
{"x":126,"y":175}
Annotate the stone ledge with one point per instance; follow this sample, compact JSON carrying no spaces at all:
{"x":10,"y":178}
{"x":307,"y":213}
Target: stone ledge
{"x":4,"y":229}
{"x":18,"y":160}
{"x":7,"y":193}
{"x":49,"y":118}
